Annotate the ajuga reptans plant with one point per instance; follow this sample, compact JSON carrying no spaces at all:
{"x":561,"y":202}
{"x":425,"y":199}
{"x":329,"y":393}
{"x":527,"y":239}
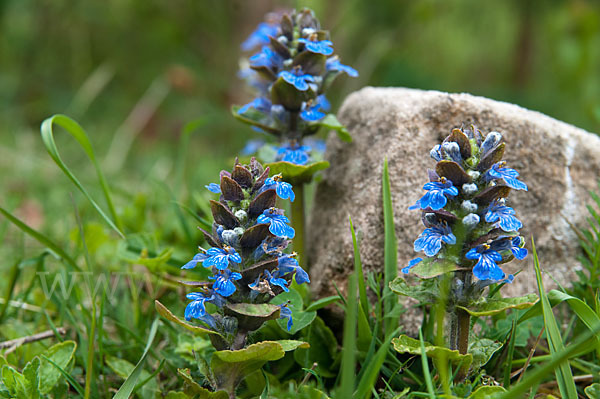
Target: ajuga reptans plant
{"x":246,"y":255}
{"x":290,"y":73}
{"x":469,"y":229}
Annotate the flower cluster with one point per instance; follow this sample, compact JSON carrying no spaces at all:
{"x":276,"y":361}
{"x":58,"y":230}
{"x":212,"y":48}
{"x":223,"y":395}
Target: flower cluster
{"x":246,"y":257}
{"x":291,"y":72}
{"x":467,"y":195}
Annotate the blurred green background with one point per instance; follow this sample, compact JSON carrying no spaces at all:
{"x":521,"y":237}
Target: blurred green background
{"x":134,"y":72}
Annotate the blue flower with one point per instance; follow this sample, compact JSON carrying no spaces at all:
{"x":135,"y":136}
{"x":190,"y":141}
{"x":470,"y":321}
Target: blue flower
{"x":260,"y":36}
{"x":300,"y":82}
{"x":220,"y":258}
{"x":502,"y":216}
{"x":266,"y":58}
{"x":252,"y":146}
{"x":214,"y":188}
{"x":199,"y":257}
{"x":334,"y":64}
{"x":289,"y":264}
{"x":430,"y":240}
{"x":277,"y":223}
{"x":260,"y":104}
{"x":283,"y":189}
{"x":435,"y":198}
{"x":411,"y":264}
{"x":319,"y":47}
{"x":323,"y":102}
{"x":273,"y":280}
{"x":286,"y":313}
{"x":486,"y":267}
{"x":498,"y":171}
{"x":297,"y":154}
{"x":196,"y":309}
{"x":514,"y":245}
{"x":311,"y":113}
{"x":270,"y":245}
{"x":223,"y":284}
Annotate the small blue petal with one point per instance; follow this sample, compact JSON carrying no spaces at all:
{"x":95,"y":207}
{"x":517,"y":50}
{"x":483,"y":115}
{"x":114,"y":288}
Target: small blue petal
{"x":319,"y":47}
{"x":411,"y":264}
{"x":333,"y":64}
{"x":214,"y":188}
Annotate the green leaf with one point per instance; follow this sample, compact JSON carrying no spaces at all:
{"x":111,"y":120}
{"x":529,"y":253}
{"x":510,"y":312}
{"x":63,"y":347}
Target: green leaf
{"x":486,"y":392}
{"x":14,"y":382}
{"x":564,"y":375}
{"x":192,"y":388}
{"x":425,"y":291}
{"x":62,"y":354}
{"x":360,"y":276}
{"x":390,"y":254}
{"x":593,"y":391}
{"x":251,"y":316}
{"x":492,"y":306}
{"x":323,"y":348}
{"x":166,"y":313}
{"x":77,"y":132}
{"x":129,"y":384}
{"x":330,"y":121}
{"x":289,"y":345}
{"x":296,"y":174}
{"x":405,"y":344}
{"x":178,"y":395}
{"x":300,"y":317}
{"x":231,"y":367}
{"x":482,"y":350}
{"x":32,"y":379}
{"x":433,"y":267}
{"x":321,"y":303}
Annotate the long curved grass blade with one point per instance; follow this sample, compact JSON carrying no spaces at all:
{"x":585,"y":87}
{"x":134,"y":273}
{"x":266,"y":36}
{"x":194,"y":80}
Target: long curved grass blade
{"x":425,"y":365}
{"x":67,"y":376}
{"x":129,"y":384}
{"x":390,"y":255}
{"x":564,"y":375}
{"x":558,"y":358}
{"x":40,"y":238}
{"x":75,"y":130}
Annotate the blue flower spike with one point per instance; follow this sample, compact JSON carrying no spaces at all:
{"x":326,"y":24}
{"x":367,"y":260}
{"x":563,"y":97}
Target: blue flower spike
{"x":196,"y":309}
{"x":199,"y":257}
{"x":223,"y":284}
{"x":460,"y":197}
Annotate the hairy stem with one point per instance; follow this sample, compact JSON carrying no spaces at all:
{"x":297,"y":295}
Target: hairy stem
{"x":298,"y":223}
{"x":464,"y":324}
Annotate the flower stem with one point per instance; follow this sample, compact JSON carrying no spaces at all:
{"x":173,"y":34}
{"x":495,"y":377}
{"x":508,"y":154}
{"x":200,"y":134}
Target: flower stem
{"x":298,"y":223}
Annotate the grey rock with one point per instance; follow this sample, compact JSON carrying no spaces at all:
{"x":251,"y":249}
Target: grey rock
{"x":560,"y":163}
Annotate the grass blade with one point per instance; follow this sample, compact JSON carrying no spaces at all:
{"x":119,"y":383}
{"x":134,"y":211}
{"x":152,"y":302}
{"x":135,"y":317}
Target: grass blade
{"x":131,"y":380}
{"x":362,"y":291}
{"x":425,"y":365}
{"x":348,"y":367}
{"x":40,"y":238}
{"x":564,"y":376}
{"x":371,"y":371}
{"x":75,"y":130}
{"x":390,"y":255}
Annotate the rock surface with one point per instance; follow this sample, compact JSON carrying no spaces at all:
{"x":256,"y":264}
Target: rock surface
{"x":560,"y":163}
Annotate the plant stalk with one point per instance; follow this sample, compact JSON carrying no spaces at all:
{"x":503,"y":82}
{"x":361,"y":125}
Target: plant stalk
{"x":298,"y":219}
